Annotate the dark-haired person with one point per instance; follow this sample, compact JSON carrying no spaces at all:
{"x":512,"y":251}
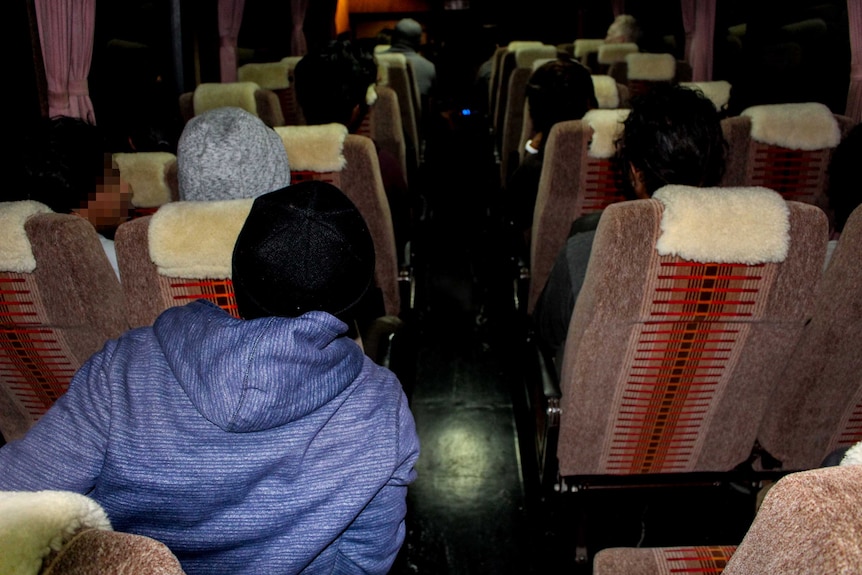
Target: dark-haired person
{"x":335,"y":84}
{"x":557,"y":91}
{"x":267,"y":444}
{"x":671,"y":136}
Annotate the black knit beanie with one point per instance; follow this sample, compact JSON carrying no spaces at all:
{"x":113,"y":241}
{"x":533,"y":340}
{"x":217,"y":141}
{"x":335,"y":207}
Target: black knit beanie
{"x":302,"y":248}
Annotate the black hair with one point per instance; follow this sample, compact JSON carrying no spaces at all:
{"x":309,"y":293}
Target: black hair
{"x":844,"y":191}
{"x":331,"y":82}
{"x":672,"y":136}
{"x":62,"y":160}
{"x":557,"y":91}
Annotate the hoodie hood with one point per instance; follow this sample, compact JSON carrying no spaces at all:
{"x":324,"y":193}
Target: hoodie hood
{"x":252,"y":375}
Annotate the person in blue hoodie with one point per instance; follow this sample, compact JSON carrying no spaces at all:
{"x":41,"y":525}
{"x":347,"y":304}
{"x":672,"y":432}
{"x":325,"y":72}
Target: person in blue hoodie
{"x":267,"y":444}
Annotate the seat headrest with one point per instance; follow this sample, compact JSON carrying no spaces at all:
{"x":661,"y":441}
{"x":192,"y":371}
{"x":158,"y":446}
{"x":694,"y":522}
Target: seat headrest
{"x":613,"y":53}
{"x":748,"y":225}
{"x":650,"y":67}
{"x":214,"y":95}
{"x":34,"y":523}
{"x":607,"y":126}
{"x":607,"y":91}
{"x":718,"y":91}
{"x":268,"y":75}
{"x":804,"y":126}
{"x":291,"y":61}
{"x":516,"y":45}
{"x":392,"y":59}
{"x":16,"y":253}
{"x":525,"y":57}
{"x":584,"y":46}
{"x":146,"y":174}
{"x":195,"y":239}
{"x":314,"y":148}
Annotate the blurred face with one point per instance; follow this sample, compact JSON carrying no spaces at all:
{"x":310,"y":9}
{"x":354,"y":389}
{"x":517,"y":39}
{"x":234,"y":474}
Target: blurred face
{"x":111,"y":203}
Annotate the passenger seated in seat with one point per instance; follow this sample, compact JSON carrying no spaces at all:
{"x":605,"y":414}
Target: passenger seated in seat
{"x":671,"y":136}
{"x":267,"y":444}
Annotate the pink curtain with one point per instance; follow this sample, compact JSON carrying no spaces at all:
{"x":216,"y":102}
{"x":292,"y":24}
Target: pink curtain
{"x":698,"y":19}
{"x":619,"y":7}
{"x":298,"y":46}
{"x":229,"y":20}
{"x":854,"y":94}
{"x":66,"y":36}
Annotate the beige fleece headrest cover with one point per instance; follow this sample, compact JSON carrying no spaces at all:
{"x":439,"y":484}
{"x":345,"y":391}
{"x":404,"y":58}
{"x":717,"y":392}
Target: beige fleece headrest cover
{"x":268,"y":75}
{"x":392,"y":59}
{"x":607,"y":126}
{"x":291,"y":61}
{"x":805,"y":126}
{"x":717,"y":91}
{"x":650,"y":67}
{"x":613,"y":53}
{"x":607,"y":91}
{"x":516,"y":45}
{"x":215,"y":95}
{"x":749,"y":225}
{"x":146,"y":174}
{"x":195,"y":239}
{"x":584,"y":46}
{"x":539,"y":62}
{"x":524,"y":57}
{"x":16,"y":253}
{"x":34,"y":523}
{"x":314,"y":148}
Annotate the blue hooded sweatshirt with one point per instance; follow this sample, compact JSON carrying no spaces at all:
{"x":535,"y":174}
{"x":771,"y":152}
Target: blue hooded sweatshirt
{"x":263,"y":446}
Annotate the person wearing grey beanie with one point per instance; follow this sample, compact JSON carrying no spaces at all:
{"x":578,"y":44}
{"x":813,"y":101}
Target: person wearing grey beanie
{"x":228,"y":153}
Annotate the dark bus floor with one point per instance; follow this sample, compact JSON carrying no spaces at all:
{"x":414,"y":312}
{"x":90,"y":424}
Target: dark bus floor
{"x":467,"y":510}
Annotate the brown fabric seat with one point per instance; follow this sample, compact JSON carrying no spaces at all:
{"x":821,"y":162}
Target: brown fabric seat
{"x":54,"y":316}
{"x":818,"y":406}
{"x":385,"y":128}
{"x":101,"y":552}
{"x":399,"y":78}
{"x":808,"y":524}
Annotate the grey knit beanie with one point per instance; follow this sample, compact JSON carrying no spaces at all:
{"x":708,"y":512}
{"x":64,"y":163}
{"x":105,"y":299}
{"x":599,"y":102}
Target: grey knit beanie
{"x":227,"y":153}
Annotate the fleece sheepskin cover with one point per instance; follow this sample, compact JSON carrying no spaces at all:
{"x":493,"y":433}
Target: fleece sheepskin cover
{"x":314,"y":148}
{"x":214,"y":95}
{"x":392,"y":59}
{"x":195,"y":239}
{"x":805,"y":126}
{"x":516,"y":45}
{"x":146,"y":173}
{"x":607,"y":127}
{"x":853,"y":455}
{"x":748,"y":225}
{"x":16,"y":253}
{"x":718,"y":91}
{"x":524,"y":57}
{"x":613,"y":53}
{"x":650,"y":67}
{"x":584,"y":46}
{"x":35,"y":523}
{"x":267,"y":75}
{"x":607,"y":91}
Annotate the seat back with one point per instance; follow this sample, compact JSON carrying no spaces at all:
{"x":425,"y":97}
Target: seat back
{"x":785,"y":147}
{"x":578,"y":178}
{"x":289,"y":104}
{"x":818,"y":406}
{"x":60,"y":301}
{"x":401,"y":81}
{"x":642,"y":70}
{"x":611,"y":54}
{"x":274,"y":76}
{"x":151,"y":177}
{"x":384,"y":126}
{"x":690,"y":300}
{"x":586,"y":50}
{"x":518,"y":56}
{"x":249,"y":96}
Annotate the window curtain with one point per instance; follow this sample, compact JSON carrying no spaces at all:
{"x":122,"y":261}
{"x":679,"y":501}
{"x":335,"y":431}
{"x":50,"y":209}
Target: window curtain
{"x":854,"y":94}
{"x":619,"y":7}
{"x":698,"y":19}
{"x":229,"y":20}
{"x":298,"y":9}
{"x":66,"y":37}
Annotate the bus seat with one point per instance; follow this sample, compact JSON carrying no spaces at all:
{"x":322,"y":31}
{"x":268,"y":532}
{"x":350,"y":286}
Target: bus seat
{"x":400,"y":79}
{"x":151,"y":178}
{"x":672,"y":347}
{"x":808,"y":523}
{"x":385,"y":128}
{"x":274,"y":76}
{"x":818,"y":406}
{"x":249,"y":96}
{"x":784,"y":147}
{"x":60,"y":301}
{"x":578,"y":178}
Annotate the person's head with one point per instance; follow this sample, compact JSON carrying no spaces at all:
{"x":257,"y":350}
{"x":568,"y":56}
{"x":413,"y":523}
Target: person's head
{"x":67,"y":167}
{"x":844,"y":192}
{"x":623,"y":30}
{"x":557,"y":91}
{"x":302,"y":248}
{"x":407,"y":33}
{"x":671,"y":136}
{"x":228,"y":153}
{"x":332,"y":84}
